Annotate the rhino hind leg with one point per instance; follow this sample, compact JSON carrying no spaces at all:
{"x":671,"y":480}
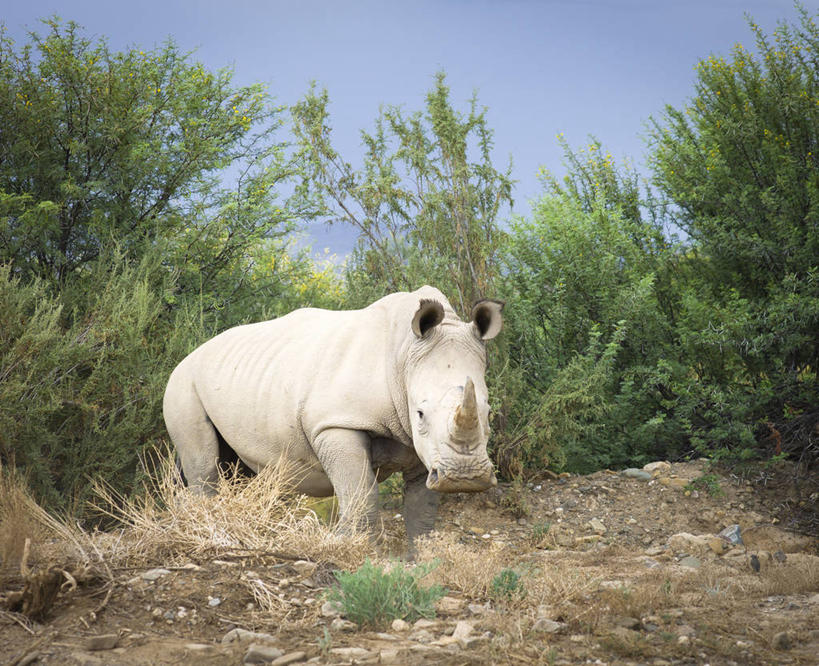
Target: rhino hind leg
{"x":420,"y":506}
{"x":193,"y":435}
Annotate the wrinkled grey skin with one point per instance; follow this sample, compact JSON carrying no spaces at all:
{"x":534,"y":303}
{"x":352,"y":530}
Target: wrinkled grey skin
{"x":349,"y":398}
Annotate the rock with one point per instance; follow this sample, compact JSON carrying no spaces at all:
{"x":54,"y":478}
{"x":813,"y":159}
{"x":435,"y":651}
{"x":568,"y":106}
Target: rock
{"x":385,"y":637}
{"x":304,"y":568}
{"x":635,"y":473}
{"x":462,"y":630}
{"x":627,"y":621}
{"x":691,"y":562}
{"x":718,"y":545}
{"x":547,"y":626}
{"x":782,"y":641}
{"x":349,"y":653}
{"x":153,"y":574}
{"x":289,"y":658}
{"x":449,"y":605}
{"x":213,"y":602}
{"x":421,"y":636}
{"x":400,"y":625}
{"x":261,"y":654}
{"x":389,"y":656}
{"x":674,"y":482}
{"x":423,"y":623}
{"x":732,"y":534}
{"x":330,"y":609}
{"x":481,"y":609}
{"x":239,"y":635}
{"x":661,"y":466}
{"x":683,"y":542}
{"x":780,"y":557}
{"x":654,"y":551}
{"x":597,"y":525}
{"x":101,"y":642}
{"x":338,"y":624}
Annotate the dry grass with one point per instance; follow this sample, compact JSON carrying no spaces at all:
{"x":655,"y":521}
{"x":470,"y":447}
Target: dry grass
{"x":259,"y":516}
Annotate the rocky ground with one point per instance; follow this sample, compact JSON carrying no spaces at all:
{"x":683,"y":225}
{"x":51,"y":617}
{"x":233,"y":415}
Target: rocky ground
{"x":672,"y":564}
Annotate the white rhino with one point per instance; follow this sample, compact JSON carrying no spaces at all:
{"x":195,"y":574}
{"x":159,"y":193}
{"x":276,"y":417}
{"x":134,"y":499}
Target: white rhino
{"x":349,"y":398}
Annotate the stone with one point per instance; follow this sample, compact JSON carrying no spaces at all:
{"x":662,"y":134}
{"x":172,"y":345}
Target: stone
{"x":239,"y":635}
{"x":683,"y":542}
{"x":732,"y":534}
{"x":462,"y":630}
{"x":400,"y":626}
{"x":352,"y":653}
{"x":423,"y":623}
{"x":782,"y":641}
{"x":389,"y":656}
{"x":780,"y":557}
{"x":635,"y":473}
{"x":547,"y":626}
{"x":261,"y":654}
{"x":597,"y":525}
{"x":339,"y":624}
{"x":101,"y":642}
{"x":450,"y":605}
{"x":304,"y":568}
{"x":718,"y":545}
{"x":691,"y":562}
{"x":627,"y":621}
{"x":214,"y":601}
{"x":674,"y":482}
{"x":481,"y":609}
{"x":330,"y":609}
{"x":421,"y":636}
{"x":385,"y":637}
{"x":661,"y":466}
{"x":153,"y":574}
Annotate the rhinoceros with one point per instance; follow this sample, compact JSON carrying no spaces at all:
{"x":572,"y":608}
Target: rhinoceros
{"x":348,"y":398}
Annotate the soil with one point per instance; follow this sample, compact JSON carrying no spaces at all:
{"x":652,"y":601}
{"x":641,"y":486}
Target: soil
{"x":632,"y":592}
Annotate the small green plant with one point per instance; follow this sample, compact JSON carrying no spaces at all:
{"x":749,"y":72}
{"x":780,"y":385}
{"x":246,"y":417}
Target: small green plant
{"x":373,"y":597}
{"x":540,"y":530}
{"x":708,"y":483}
{"x":507,"y":584}
{"x":325,"y":643}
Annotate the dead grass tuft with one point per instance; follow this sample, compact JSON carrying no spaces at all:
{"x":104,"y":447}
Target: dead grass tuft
{"x":466,"y":568}
{"x":259,"y":516}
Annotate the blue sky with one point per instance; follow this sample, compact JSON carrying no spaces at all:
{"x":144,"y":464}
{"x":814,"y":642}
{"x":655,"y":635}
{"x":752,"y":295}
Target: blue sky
{"x":580,"y":67}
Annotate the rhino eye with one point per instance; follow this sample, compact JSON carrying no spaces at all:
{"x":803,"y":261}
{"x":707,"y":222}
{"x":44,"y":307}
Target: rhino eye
{"x":420,"y":414}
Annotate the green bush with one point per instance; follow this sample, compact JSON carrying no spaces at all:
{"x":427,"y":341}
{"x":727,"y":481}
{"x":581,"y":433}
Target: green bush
{"x":507,"y":584}
{"x":373,"y":597}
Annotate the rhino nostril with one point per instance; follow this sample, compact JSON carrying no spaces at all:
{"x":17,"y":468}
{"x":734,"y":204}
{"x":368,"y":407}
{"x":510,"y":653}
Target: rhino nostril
{"x":433,"y":475}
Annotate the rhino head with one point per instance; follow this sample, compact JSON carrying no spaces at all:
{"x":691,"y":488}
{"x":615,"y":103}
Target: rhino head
{"x":447,"y":395}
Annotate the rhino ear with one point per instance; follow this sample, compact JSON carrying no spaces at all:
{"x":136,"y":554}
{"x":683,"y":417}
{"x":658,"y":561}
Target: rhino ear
{"x":487,"y":319}
{"x":429,"y":314}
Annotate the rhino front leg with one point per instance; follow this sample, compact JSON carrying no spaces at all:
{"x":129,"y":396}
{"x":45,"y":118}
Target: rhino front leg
{"x":345,"y":457}
{"x":420,"y":506}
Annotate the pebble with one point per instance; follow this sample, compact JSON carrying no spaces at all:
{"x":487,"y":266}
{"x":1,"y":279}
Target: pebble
{"x":303,"y":567}
{"x":261,"y":654}
{"x":635,"y":473}
{"x":330,"y":609}
{"x":351,"y":653}
{"x":674,"y":482}
{"x":101,"y":642}
{"x":597,"y":525}
{"x":423,"y":623}
{"x":547,"y":626}
{"x":691,"y":562}
{"x":400,"y":625}
{"x":781,"y":641}
{"x":239,"y":635}
{"x":659,"y":466}
{"x":214,"y":601}
{"x":338,"y":624}
{"x":289,"y":658}
{"x":733,"y":534}
{"x":449,"y":605}
{"x":462,"y":630}
{"x":153,"y":574}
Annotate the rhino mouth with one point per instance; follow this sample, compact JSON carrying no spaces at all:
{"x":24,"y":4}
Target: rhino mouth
{"x":447,"y":481}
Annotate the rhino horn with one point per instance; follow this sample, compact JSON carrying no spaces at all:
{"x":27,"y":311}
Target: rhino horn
{"x":466,"y":414}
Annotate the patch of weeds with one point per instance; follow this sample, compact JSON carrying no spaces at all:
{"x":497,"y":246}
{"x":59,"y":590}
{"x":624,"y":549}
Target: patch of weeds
{"x":514,"y":500}
{"x":540,"y":530}
{"x":325,"y":643}
{"x":373,"y":597}
{"x":708,"y":483}
{"x":506,"y":585}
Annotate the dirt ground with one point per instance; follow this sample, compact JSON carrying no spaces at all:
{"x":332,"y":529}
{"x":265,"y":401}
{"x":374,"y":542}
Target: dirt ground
{"x":611,"y":569}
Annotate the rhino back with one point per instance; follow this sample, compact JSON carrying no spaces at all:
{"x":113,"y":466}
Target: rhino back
{"x":276,"y":385}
